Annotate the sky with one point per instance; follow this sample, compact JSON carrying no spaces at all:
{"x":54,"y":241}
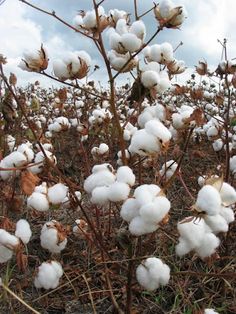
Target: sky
{"x":22,"y":28}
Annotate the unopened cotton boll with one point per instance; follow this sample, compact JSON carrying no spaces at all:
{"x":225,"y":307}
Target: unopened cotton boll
{"x":208,"y":200}
{"x":23,"y":231}
{"x":38,"y":201}
{"x":57,"y":193}
{"x":118,"y":191}
{"x":152,"y":273}
{"x":125,"y":174}
{"x":53,"y":237}
{"x":129,"y":209}
{"x":48,"y":275}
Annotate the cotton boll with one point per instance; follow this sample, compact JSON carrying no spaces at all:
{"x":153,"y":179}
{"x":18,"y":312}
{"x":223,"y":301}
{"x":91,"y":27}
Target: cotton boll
{"x":165,"y":8}
{"x":102,"y":178}
{"x":125,"y":174}
{"x":100,"y":195}
{"x":150,"y":79}
{"x":146,"y":193}
{"x":129,"y":209}
{"x":139,"y":227}
{"x":144,"y":143}
{"x":15,"y":159}
{"x":53,"y":237}
{"x":131,"y":42}
{"x":84,"y":56}
{"x":158,"y":129}
{"x":102,"y":167}
{"x":42,"y":188}
{"x":155,"y":53}
{"x":5,"y":254}
{"x":8,"y":240}
{"x":57,"y":193}
{"x":48,"y":275}
{"x":103,"y":148}
{"x":38,"y":201}
{"x":60,"y":70}
{"x":227,"y":213}
{"x":155,"y":211}
{"x":217,"y":223}
{"x":208,"y":246}
{"x":23,"y":231}
{"x":228,"y":194}
{"x":139,"y":29}
{"x":183,"y":247}
{"x":210,"y":311}
{"x":28,"y":152}
{"x":146,"y":115}
{"x":217,"y":145}
{"x":208,"y":200}
{"x":78,"y":21}
{"x":192,"y":232}
{"x":118,"y":191}
{"x":4,"y":174}
{"x":121,"y":27}
{"x":167,"y":54}
{"x":168,"y":169}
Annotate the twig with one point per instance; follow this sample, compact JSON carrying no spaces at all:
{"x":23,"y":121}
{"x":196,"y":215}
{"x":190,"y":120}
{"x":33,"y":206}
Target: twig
{"x":90,"y":294}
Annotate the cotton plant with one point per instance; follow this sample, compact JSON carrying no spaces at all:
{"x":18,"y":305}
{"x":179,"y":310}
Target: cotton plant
{"x":146,"y":210}
{"x":53,"y":236}
{"x":48,"y":275}
{"x":153,"y":273}
{"x":75,"y":65}
{"x":104,"y":184}
{"x":151,"y":140}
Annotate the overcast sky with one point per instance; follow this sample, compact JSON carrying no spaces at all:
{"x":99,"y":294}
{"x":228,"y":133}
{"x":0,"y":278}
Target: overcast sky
{"x":22,"y":28}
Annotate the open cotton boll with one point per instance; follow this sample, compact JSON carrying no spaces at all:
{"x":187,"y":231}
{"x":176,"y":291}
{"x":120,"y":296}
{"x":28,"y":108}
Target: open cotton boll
{"x":10,"y":140}
{"x":60,"y":69}
{"x":152,"y":273}
{"x":121,"y":26}
{"x":227,"y":213}
{"x":27,"y":151}
{"x":227,"y":194}
{"x":158,"y":129}
{"x":168,"y":169}
{"x":208,"y":246}
{"x":165,"y":8}
{"x":210,"y":311}
{"x":208,"y":200}
{"x":130,"y":42}
{"x":78,"y":21}
{"x":115,"y":42}
{"x":42,"y":188}
{"x":8,"y":240}
{"x":84,"y":56}
{"x":48,"y":275}
{"x":167,"y":54}
{"x":217,"y":145}
{"x":5,"y":254}
{"x":5,"y":174}
{"x":57,"y":193}
{"x":144,"y":143}
{"x":41,"y":158}
{"x":15,"y":159}
{"x":233,"y":164}
{"x":102,"y":167}
{"x":125,"y":174}
{"x":192,"y":232}
{"x":100,"y":195}
{"x":118,"y":191}
{"x":155,"y":211}
{"x":53,"y":237}
{"x":146,"y":115}
{"x":129,"y":209}
{"x":146,"y":193}
{"x":183,"y":247}
{"x":103,"y":148}
{"x":217,"y":223}
{"x":102,"y":178}
{"x":155,"y":53}
{"x":139,"y":29}
{"x":115,"y":15}
{"x":38,"y":201}
{"x":138,"y":227}
{"x":23,"y":231}
{"x":150,"y":78}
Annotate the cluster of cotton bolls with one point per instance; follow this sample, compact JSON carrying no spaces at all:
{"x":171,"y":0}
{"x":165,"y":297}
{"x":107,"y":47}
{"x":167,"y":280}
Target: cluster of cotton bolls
{"x":99,"y":115}
{"x":214,"y":202}
{"x":48,"y":275}
{"x":42,"y":196}
{"x":75,"y":65}
{"x":101,"y":150}
{"x":105,"y":185}
{"x":59,"y":124}
{"x":151,"y":140}
{"x":153,"y":273}
{"x":168,"y":15}
{"x":9,"y":242}
{"x":168,"y":169}
{"x":145,"y":210}
{"x":18,"y":158}
{"x":53,"y":236}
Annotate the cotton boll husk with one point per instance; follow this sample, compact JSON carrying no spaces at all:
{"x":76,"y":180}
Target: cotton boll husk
{"x":84,"y":56}
{"x":100,"y":195}
{"x":102,"y":178}
{"x":139,"y":29}
{"x":5,"y":254}
{"x":208,"y":200}
{"x":57,"y":193}
{"x":228,"y":194}
{"x":217,"y":223}
{"x":193,"y":232}
{"x":60,"y":70}
{"x":118,"y":191}
{"x":139,"y":227}
{"x":49,"y":238}
{"x":208,"y":245}
{"x":183,"y":247}
{"x":23,"y":231}
{"x":38,"y":201}
{"x":154,"y":212}
{"x":131,"y":42}
{"x":144,"y":143}
{"x":8,"y":239}
{"x":150,"y":78}
{"x":125,"y":174}
{"x":158,"y":129}
{"x":227,"y":213}
{"x":129,"y":209}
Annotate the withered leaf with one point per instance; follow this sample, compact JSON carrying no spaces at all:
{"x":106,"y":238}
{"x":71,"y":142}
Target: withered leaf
{"x":28,"y":182}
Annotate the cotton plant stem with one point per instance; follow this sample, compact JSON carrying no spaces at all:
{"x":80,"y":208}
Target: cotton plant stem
{"x":185,"y":186}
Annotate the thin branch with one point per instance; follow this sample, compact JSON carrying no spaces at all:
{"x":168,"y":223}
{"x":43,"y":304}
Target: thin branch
{"x":136,"y":10}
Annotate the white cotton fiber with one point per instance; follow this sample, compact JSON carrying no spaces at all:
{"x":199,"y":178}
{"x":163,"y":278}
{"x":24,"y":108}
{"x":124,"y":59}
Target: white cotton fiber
{"x":129,"y":209}
{"x":49,"y":237}
{"x":125,"y":174}
{"x":57,"y":193}
{"x":48,"y":275}
{"x":38,"y":201}
{"x":23,"y":230}
{"x":208,"y":200}
{"x":118,"y":191}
